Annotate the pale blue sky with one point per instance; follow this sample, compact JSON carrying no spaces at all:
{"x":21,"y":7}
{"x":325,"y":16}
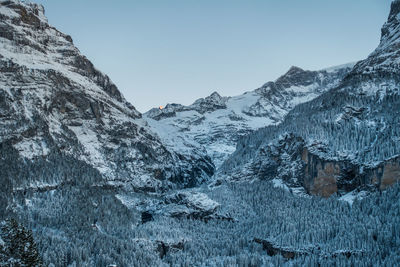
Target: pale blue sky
{"x":163,"y":51}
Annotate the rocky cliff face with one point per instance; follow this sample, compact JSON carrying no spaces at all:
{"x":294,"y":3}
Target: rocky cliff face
{"x":53,"y":100}
{"x":379,"y":73}
{"x":386,"y":174}
{"x":352,"y":130}
{"x":214,"y":124}
{"x":324,"y":177}
{"x":304,"y":168}
{"x":385,"y":59}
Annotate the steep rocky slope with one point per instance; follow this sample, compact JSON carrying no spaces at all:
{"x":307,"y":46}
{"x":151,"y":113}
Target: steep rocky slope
{"x":83,"y":170}
{"x":385,"y":60}
{"x":344,"y":139}
{"x":214,"y":124}
{"x":54,"y":101}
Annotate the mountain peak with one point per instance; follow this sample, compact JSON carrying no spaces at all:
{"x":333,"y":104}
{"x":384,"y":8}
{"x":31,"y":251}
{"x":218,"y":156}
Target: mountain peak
{"x":28,"y":13}
{"x":385,"y":60}
{"x":391,"y":27}
{"x":25,"y":25}
{"x":295,"y":68}
{"x":394,"y":9}
{"x":214,"y":95}
{"x":210,"y":103}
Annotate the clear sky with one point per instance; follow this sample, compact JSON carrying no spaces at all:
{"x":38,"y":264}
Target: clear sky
{"x":159,"y":51}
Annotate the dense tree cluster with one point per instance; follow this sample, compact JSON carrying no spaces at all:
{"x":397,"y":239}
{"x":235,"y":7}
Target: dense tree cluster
{"x":78,"y":226}
{"x":17,"y":247}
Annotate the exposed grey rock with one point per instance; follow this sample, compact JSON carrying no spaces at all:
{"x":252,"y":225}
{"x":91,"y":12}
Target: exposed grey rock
{"x":189,"y":204}
{"x":52,"y":99}
{"x":146,"y":217}
{"x":164,"y":248}
{"x":210,"y":103}
{"x":384,"y":61}
{"x":273,"y":250}
{"x":291,"y":253}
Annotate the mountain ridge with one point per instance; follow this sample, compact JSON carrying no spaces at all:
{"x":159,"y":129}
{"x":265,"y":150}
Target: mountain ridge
{"x":355,"y":122}
{"x":81,"y":112}
{"x":101,"y":185}
{"x":215,"y":123}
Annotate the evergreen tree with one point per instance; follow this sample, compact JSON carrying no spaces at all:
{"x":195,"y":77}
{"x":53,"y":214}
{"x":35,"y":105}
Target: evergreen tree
{"x":18,"y":246}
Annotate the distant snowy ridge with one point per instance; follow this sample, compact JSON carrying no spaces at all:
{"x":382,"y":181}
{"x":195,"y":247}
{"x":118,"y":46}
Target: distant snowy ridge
{"x":215,"y":123}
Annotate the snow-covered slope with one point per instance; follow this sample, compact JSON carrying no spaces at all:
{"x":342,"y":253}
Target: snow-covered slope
{"x":74,"y":156}
{"x":347,"y":138}
{"x":53,"y":100}
{"x":214,"y":124}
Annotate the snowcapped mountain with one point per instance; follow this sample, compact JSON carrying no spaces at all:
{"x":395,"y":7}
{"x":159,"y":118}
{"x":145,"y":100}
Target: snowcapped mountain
{"x":378,"y":74}
{"x":214,"y":124}
{"x":345,"y":139}
{"x":100,"y":184}
{"x":386,"y":57}
{"x":54,"y":101}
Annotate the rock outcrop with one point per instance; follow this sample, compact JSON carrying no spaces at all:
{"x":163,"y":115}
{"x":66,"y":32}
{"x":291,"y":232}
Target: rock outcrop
{"x":146,"y":217}
{"x":192,"y":205}
{"x":164,"y":248}
{"x":273,"y":250}
{"x":324,"y":177}
{"x":298,"y":164}
{"x":291,"y":253}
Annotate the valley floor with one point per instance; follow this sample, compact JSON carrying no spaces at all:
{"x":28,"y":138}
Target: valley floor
{"x":318,"y":232}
